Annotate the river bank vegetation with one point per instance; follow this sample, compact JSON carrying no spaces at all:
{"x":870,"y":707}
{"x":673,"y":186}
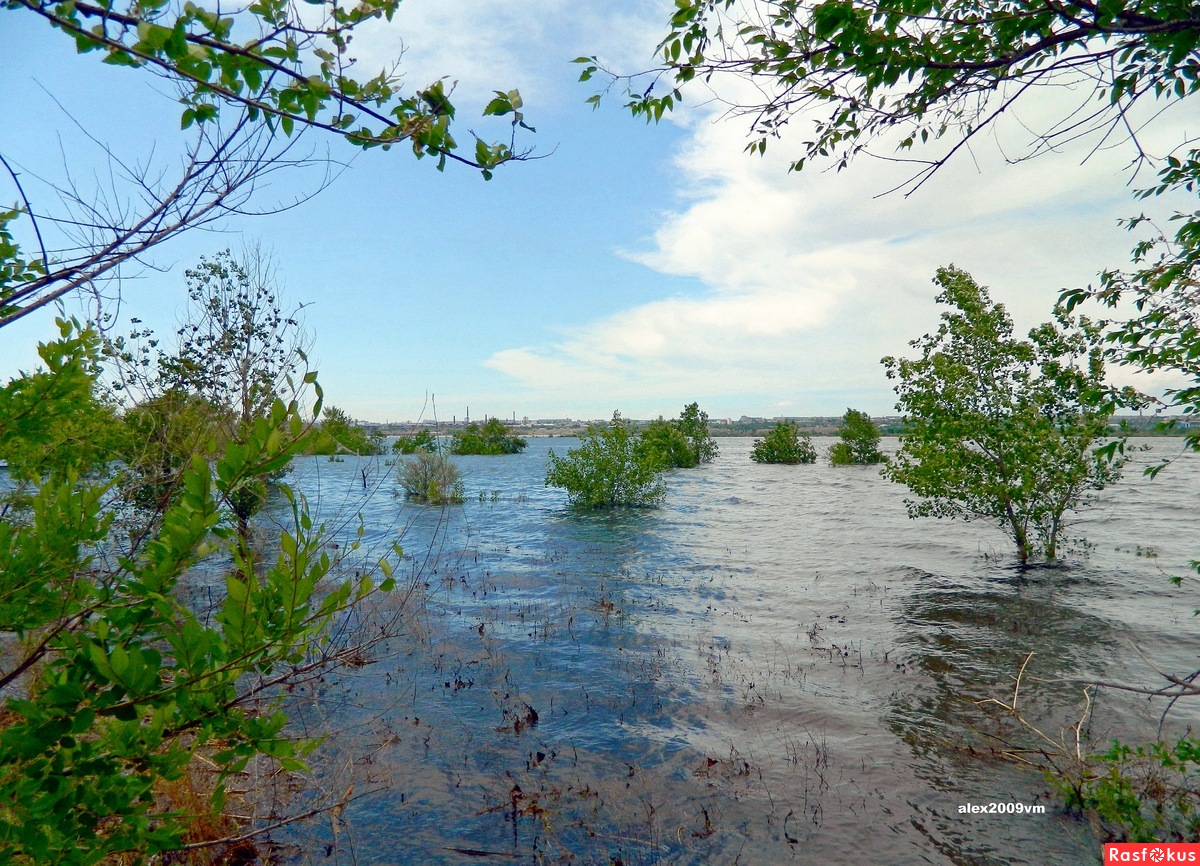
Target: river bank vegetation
{"x":131,"y":464}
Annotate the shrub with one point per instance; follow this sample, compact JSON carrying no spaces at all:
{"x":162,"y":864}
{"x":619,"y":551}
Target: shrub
{"x":613,"y":467}
{"x":668,"y":445}
{"x":860,"y":441}
{"x":421,"y":441}
{"x":683,"y":442}
{"x":1139,"y":794}
{"x":784,"y":444}
{"x":339,"y":434}
{"x":431,"y":478}
{"x":493,"y":437}
{"x":112,"y":685}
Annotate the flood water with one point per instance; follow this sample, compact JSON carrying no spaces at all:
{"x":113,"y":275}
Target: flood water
{"x":776,"y":666}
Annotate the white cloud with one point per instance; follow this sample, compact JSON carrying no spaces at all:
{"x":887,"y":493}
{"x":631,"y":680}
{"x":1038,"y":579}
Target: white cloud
{"x":808,"y":279}
{"x":488,"y":45}
{"x":800,"y":282}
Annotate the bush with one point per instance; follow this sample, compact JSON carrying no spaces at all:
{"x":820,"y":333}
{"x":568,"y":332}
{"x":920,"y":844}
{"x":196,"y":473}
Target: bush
{"x":613,"y":467}
{"x":494,"y":437}
{"x":669,"y":447}
{"x":431,"y":478}
{"x":339,"y":434}
{"x":683,"y":442}
{"x":421,"y":441}
{"x":784,"y":444}
{"x":111,"y":685}
{"x":860,"y":441}
{"x":1145,"y":793}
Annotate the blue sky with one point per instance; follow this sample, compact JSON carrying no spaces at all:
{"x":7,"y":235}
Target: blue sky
{"x":633,"y":267}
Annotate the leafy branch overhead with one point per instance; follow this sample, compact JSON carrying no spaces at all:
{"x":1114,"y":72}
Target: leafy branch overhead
{"x":250,"y":80}
{"x":284,"y":63}
{"x":918,"y":71}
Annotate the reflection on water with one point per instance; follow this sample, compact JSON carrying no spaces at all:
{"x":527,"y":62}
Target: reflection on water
{"x":775,"y":667}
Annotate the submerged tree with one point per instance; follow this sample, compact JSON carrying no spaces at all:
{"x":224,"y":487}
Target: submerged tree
{"x":492,"y":437}
{"x":421,"y":441}
{"x":612,"y":468}
{"x":860,"y":441}
{"x":682,"y":442}
{"x":430,"y":478}
{"x":694,"y":425}
{"x":784,"y":444}
{"x":998,"y":428}
{"x":234,"y":355}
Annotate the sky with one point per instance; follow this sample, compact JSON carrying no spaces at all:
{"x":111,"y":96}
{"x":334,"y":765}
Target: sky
{"x":629,"y":267}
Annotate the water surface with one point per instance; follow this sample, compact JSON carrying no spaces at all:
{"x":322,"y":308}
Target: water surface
{"x":776,"y":666}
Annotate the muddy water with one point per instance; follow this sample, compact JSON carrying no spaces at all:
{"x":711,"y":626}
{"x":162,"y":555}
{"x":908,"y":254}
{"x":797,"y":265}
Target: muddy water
{"x":775,"y":667}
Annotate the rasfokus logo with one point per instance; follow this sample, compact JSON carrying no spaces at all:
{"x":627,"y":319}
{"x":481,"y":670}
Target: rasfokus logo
{"x":1152,"y":852}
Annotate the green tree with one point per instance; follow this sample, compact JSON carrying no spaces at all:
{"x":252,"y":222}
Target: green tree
{"x":681,"y":443}
{"x":612,"y":468}
{"x":234,"y":355}
{"x":492,"y":437}
{"x":860,"y":441}
{"x":694,"y":425}
{"x":111,"y":683}
{"x":998,"y":428}
{"x":338,"y":433}
{"x":421,"y":441}
{"x":784,"y":444}
{"x":237,"y":348}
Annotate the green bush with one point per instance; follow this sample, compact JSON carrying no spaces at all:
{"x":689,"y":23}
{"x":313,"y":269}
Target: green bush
{"x":430,"y":478}
{"x":1140,"y":794}
{"x":784,"y":444}
{"x":613,"y":467}
{"x":493,"y":437}
{"x":421,"y":441}
{"x":860,"y":441}
{"x":339,"y":434}
{"x":669,"y":446}
{"x":683,"y":442}
{"x":111,"y":684}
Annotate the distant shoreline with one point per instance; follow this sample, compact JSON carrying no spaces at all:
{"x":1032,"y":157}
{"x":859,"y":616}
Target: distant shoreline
{"x":725,"y":428}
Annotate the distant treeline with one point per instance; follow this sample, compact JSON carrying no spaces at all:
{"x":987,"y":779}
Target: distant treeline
{"x":1131,"y":425}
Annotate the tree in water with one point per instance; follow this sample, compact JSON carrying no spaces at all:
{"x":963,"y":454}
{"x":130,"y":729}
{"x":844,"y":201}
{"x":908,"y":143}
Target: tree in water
{"x":611,"y":468}
{"x":683,"y":442}
{"x":860,"y":441}
{"x":998,"y":428}
{"x":784,"y":444}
